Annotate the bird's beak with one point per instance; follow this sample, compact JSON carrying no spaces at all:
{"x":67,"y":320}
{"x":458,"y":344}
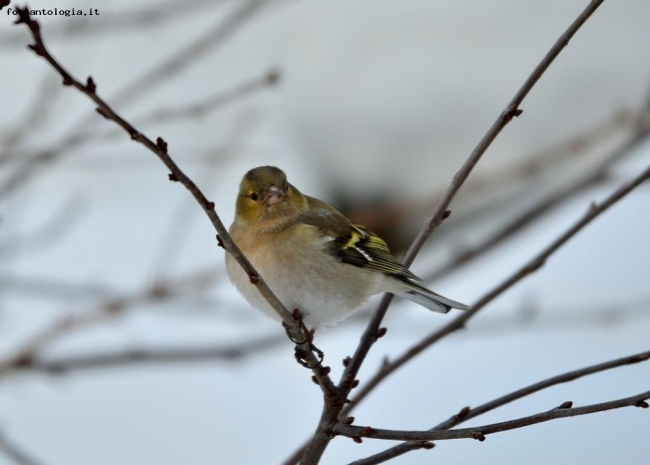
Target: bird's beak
{"x":274,"y":195}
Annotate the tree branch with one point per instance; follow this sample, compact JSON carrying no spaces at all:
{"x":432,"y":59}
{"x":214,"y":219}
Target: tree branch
{"x":467,"y":413}
{"x":159,"y":148}
{"x":438,"y":214}
{"x":479,"y":432}
{"x":161,"y":72}
{"x":321,"y":438}
{"x":529,"y":268}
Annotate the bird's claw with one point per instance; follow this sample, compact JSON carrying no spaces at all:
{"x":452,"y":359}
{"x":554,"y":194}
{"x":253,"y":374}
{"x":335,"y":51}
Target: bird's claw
{"x":301,"y":354}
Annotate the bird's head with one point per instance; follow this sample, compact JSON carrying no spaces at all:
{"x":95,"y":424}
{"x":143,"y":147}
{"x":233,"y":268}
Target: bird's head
{"x":266,"y":199}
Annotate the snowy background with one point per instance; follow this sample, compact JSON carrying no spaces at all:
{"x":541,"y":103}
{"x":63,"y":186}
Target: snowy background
{"x":378,"y":104}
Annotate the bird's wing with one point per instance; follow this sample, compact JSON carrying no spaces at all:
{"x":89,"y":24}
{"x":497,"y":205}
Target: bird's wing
{"x":352,"y":243}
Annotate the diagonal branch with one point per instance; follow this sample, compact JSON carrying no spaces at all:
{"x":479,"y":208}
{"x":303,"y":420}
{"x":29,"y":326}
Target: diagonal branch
{"x":529,"y":268}
{"x":440,"y":212}
{"x":348,"y":381}
{"x":467,"y":413}
{"x":312,"y":358}
{"x":30,"y":162}
{"x":642,"y":132}
{"x":171,"y":66}
{"x":479,"y":432}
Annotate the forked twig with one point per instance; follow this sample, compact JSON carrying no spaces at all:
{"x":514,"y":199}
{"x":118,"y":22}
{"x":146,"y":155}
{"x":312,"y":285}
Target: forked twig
{"x":479,"y":432}
{"x":467,"y":413}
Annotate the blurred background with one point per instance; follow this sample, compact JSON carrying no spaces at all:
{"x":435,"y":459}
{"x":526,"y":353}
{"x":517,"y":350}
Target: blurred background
{"x":123,"y":342}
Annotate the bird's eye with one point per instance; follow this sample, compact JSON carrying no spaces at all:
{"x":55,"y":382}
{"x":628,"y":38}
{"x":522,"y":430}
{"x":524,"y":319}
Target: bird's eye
{"x":255,"y":196}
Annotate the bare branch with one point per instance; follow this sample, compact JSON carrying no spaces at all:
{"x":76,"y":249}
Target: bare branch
{"x":319,"y":442}
{"x":533,"y":388}
{"x":30,"y":162}
{"x":437,"y":216}
{"x":533,"y":265}
{"x":145,"y":83}
{"x":479,"y":432}
{"x":467,"y":413}
{"x":160,"y":148}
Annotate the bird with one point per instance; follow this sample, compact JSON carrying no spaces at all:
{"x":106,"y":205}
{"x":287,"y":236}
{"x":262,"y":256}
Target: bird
{"x":311,"y":256}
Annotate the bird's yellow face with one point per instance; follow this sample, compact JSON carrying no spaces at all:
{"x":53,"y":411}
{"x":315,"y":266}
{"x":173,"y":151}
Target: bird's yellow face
{"x":266,"y":200}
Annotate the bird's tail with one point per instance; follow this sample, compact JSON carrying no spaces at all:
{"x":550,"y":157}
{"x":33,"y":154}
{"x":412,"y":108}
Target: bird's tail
{"x":431,"y":300}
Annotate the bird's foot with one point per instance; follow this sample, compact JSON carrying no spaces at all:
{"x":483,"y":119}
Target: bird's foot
{"x":301,"y":354}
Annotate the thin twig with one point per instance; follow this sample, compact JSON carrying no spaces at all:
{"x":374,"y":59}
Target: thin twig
{"x":310,"y":355}
{"x":322,"y":437}
{"x":479,"y":432}
{"x":533,"y":388}
{"x":467,"y":413}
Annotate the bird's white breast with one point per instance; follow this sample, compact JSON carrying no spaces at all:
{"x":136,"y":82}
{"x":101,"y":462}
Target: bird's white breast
{"x":304,"y":276}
